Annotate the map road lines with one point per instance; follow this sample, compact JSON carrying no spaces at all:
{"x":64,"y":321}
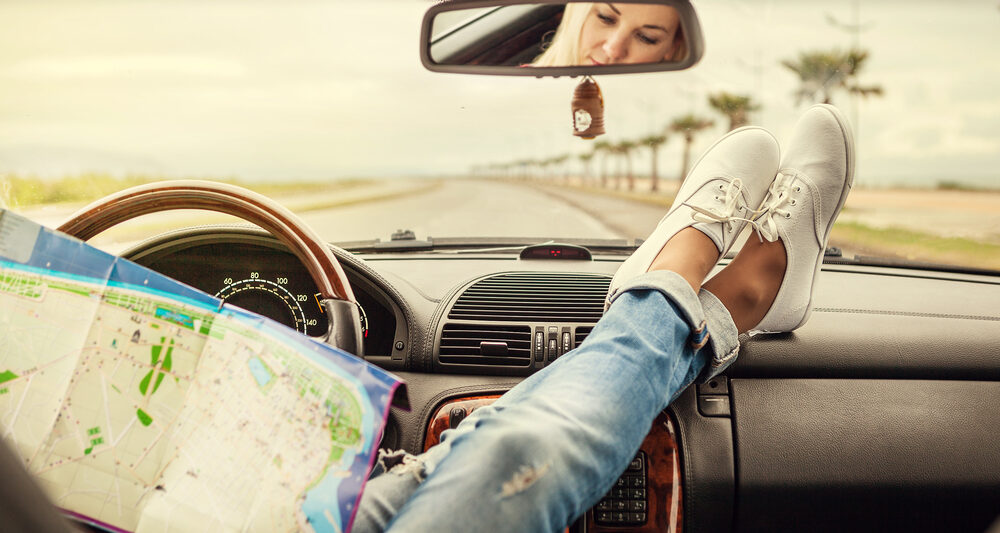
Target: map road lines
{"x":41,"y":336}
{"x":146,"y":405}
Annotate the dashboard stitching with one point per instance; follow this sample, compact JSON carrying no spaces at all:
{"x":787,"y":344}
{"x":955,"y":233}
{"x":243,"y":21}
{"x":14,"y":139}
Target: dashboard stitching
{"x":905,"y":313}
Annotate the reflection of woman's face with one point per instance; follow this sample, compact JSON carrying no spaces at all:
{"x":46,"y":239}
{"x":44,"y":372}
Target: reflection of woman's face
{"x":622,"y":33}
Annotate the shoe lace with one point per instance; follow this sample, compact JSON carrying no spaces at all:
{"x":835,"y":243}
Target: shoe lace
{"x":731,"y":207}
{"x":778,"y":196}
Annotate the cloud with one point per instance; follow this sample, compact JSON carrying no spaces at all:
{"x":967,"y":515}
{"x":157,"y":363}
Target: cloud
{"x":932,"y":137}
{"x":337,"y":87}
{"x":118,"y":67}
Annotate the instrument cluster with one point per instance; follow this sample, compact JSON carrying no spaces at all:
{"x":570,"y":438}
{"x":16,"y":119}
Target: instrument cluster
{"x":273,"y":283}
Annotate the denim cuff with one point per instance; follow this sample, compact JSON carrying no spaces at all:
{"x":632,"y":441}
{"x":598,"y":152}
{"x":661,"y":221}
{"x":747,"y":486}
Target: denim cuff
{"x":724,"y":341}
{"x":710,"y":321}
{"x":678,"y":291}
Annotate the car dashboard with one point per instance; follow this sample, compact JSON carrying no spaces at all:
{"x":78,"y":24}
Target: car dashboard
{"x":880,"y":414}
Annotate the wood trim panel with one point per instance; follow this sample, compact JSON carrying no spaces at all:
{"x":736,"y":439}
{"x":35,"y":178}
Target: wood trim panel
{"x":664,"y":496}
{"x":441,"y":419}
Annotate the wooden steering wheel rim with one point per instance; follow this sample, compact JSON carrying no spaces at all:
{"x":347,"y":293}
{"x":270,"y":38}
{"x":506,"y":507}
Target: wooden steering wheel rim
{"x":160,"y":196}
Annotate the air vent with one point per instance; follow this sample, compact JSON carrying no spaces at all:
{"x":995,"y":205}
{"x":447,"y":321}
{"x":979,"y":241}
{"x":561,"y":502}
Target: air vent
{"x":581,"y":333}
{"x":486,"y":344}
{"x":537,"y":296}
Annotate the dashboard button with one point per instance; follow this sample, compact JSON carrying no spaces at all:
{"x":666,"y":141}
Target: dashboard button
{"x":713,"y":405}
{"x":636,"y":505}
{"x":636,"y":494}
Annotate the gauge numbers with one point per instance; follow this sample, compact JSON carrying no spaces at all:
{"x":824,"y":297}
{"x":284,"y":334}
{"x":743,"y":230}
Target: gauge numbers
{"x":271,"y":298}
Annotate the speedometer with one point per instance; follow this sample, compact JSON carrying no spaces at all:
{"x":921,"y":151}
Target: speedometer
{"x":279,"y":300}
{"x":271,"y":298}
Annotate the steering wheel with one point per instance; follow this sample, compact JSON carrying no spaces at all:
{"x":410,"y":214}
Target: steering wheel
{"x":337,"y":298}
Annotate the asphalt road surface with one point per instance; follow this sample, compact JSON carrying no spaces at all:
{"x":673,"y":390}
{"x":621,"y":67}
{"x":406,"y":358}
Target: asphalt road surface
{"x":453,"y":208}
{"x":472,"y":208}
{"x":479,"y":208}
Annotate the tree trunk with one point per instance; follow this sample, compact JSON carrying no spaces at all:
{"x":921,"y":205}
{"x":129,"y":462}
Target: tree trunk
{"x":628,"y":172}
{"x":688,"y":139}
{"x":655,"y":186}
{"x":737,"y":120}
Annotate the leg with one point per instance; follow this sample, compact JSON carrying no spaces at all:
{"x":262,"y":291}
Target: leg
{"x":543,"y":454}
{"x":550,"y":447}
{"x":547,"y":450}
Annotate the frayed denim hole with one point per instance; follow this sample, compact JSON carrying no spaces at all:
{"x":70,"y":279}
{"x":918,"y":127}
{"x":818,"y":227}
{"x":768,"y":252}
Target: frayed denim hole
{"x":401,"y":463}
{"x":523,"y":478}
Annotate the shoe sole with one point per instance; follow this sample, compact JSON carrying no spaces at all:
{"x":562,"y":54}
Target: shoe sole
{"x":849,"y":151}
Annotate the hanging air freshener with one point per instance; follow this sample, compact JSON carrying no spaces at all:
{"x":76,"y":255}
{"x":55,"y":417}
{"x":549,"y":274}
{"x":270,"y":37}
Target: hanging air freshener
{"x":588,"y":109}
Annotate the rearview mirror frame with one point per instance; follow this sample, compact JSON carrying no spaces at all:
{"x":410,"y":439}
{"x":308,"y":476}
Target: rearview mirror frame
{"x":689,"y":21}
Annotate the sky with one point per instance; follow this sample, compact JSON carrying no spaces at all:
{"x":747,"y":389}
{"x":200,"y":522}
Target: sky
{"x":293,"y":90}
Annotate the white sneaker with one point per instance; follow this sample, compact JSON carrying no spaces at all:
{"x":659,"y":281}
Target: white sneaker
{"x":801,"y":207}
{"x":719,"y":196}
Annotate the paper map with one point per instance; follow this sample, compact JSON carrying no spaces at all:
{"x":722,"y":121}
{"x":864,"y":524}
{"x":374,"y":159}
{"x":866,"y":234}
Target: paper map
{"x":142,"y":404}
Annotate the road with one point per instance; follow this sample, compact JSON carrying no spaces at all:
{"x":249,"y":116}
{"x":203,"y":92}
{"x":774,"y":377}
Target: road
{"x":446,"y":208}
{"x":479,"y":209}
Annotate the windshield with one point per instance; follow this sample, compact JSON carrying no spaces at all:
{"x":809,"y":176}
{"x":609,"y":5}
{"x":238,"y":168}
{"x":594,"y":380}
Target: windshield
{"x":325,"y":107}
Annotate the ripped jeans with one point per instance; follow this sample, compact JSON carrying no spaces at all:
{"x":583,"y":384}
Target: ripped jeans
{"x":552,"y":446}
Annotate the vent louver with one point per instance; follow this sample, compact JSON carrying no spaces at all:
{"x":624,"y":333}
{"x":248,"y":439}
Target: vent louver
{"x":581,"y":333}
{"x":485,"y":344}
{"x":536,"y":296}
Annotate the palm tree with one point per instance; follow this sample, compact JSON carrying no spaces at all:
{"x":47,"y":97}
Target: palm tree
{"x":543,"y":167}
{"x":821,"y":72}
{"x":625,"y":148}
{"x":736,"y":107}
{"x":560,"y":161}
{"x":585,"y":158}
{"x":525,"y":166}
{"x":604,"y":148}
{"x":654,"y":142}
{"x":688,"y":125}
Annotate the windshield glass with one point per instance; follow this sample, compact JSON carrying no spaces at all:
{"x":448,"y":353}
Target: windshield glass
{"x":325,"y":107}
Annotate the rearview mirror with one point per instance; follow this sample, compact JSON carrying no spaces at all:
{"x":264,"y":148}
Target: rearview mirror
{"x":560,"y":37}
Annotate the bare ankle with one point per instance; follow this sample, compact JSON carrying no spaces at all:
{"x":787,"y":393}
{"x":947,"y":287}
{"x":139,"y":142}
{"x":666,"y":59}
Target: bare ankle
{"x":689,"y":253}
{"x":753,"y":300}
{"x":750,"y":283}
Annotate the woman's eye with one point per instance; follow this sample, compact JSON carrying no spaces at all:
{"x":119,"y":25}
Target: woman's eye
{"x":647,"y":39}
{"x":606,"y":19}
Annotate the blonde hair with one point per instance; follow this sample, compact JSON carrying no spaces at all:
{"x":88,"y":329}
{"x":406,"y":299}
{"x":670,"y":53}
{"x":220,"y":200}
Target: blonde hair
{"x":564,"y":49}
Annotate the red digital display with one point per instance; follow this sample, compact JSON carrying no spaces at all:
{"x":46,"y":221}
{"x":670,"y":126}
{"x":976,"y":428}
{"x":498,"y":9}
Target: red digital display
{"x":556,"y":251}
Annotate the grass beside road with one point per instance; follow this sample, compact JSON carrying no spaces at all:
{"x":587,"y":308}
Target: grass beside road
{"x":29,"y":191}
{"x":915,"y":245}
{"x":646,"y":197}
{"x":299,"y":197}
{"x":859,"y":238}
